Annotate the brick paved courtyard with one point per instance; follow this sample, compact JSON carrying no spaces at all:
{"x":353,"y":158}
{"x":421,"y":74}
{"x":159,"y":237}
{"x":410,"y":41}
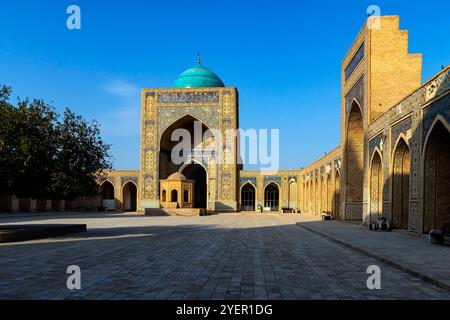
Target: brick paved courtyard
{"x":215,"y":257}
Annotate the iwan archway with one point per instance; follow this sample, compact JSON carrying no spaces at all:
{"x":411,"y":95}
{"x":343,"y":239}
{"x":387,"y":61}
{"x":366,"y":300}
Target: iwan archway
{"x":436,"y":205}
{"x":192,"y":160}
{"x":186,"y":127}
{"x":354,"y":163}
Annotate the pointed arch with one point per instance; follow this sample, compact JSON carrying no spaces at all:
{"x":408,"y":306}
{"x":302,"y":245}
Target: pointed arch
{"x":436,"y":175}
{"x":193,"y":161}
{"x":129,"y":195}
{"x":272,"y":196}
{"x":402,"y":138}
{"x":306,"y":196}
{"x":273,"y":182}
{"x":329,"y":198}
{"x":174,"y":195}
{"x":313,"y":194}
{"x":354,"y":158}
{"x":439,"y":120}
{"x":248,"y":196}
{"x":292,"y":194}
{"x":107,"y":192}
{"x":323,"y":193}
{"x":337,"y":194}
{"x":166,"y":145}
{"x":401,"y":167}
{"x":376,"y":185}
{"x":129,"y":181}
{"x":198,"y":172}
{"x":355,"y":103}
{"x":376,"y":153}
{"x":303,"y":196}
{"x":310,"y":203}
{"x":317,"y":196}
{"x":187,"y":117}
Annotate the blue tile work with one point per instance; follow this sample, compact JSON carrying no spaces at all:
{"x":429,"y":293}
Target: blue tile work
{"x":125,"y":179}
{"x":439,"y":107}
{"x":443,"y":82}
{"x":359,"y":55}
{"x":269,"y":179}
{"x":189,"y":97}
{"x":244,"y":180}
{"x":401,"y":127}
{"x":437,"y":87}
{"x":167,"y":115}
{"x":375,"y":142}
{"x":356,"y":92}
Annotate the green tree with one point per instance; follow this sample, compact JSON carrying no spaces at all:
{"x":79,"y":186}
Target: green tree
{"x":27,"y":138}
{"x":81,"y":158}
{"x":7,"y":140}
{"x":36,"y":148}
{"x":44,"y":157}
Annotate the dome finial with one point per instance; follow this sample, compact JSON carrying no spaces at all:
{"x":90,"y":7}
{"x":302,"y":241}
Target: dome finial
{"x":198,"y":57}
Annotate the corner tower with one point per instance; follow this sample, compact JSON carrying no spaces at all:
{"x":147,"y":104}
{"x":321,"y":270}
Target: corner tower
{"x":377,"y":72}
{"x":198,"y":98}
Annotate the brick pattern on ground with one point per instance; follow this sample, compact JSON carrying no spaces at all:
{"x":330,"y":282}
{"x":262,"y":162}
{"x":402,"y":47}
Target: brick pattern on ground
{"x":224,"y":256}
{"x":407,"y":252}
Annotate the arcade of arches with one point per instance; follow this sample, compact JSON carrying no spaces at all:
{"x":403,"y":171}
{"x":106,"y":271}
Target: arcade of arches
{"x":392,"y":161}
{"x":128,"y":193}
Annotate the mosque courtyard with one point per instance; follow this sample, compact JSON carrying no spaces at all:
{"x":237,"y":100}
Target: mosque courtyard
{"x":224,"y":256}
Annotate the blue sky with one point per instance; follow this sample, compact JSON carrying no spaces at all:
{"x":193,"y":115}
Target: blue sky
{"x":283,"y":56}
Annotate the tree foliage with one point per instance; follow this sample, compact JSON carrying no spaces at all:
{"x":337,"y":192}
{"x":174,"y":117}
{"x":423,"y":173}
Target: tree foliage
{"x":44,"y":156}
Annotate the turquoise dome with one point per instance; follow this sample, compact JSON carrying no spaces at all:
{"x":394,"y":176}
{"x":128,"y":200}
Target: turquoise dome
{"x":198,"y":77}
